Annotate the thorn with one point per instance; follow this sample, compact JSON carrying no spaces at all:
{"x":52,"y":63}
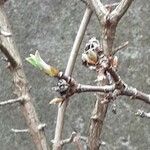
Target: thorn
{"x":105,"y":101}
{"x":30,"y":87}
{"x":94,"y":117}
{"x":114,"y":110}
{"x":41,"y":126}
{"x":103,"y":143}
{"x":5,"y":33}
{"x":8,"y":66}
{"x":53,"y":141}
{"x":56,"y":100}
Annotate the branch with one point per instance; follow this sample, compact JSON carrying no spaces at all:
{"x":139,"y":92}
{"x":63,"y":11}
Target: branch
{"x":142,"y":114}
{"x":69,"y":140}
{"x":20,"y":130}
{"x":120,"y":47}
{"x":89,"y":88}
{"x":40,"y":127}
{"x":12,"y":101}
{"x":128,"y":90}
{"x":68,"y":72}
{"x":135,"y":94}
{"x":99,"y":8}
{"x":74,"y":138}
{"x":121,"y":9}
{"x":121,"y":89}
{"x":8,"y":47}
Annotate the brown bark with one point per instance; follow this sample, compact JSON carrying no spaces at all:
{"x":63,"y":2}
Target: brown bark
{"x":98,"y":115}
{"x":8,"y":47}
{"x":108,"y":23}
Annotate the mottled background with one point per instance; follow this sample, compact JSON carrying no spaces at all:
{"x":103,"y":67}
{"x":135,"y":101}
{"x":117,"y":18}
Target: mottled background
{"x":50,"y":26}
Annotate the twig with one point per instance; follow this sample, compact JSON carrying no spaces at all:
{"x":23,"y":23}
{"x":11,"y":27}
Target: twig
{"x":120,"y":47}
{"x":111,"y":5}
{"x":89,"y":88}
{"x":11,"y":101}
{"x":99,"y":8}
{"x":142,"y":114}
{"x":136,"y":94}
{"x":69,"y":140}
{"x":120,"y":10}
{"x":119,"y":88}
{"x":20,"y":130}
{"x":125,"y":90}
{"x":74,"y":138}
{"x":68,"y":72}
{"x":128,"y":90}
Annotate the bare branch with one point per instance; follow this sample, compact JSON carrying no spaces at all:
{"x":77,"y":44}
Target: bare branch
{"x":8,"y":47}
{"x":74,"y":138}
{"x":142,"y":114}
{"x":124,"y":89}
{"x":120,"y":10}
{"x":128,"y":90}
{"x":89,"y":88}
{"x":119,"y":88}
{"x":68,"y":72}
{"x":96,"y":123}
{"x":69,"y":140}
{"x":20,"y":130}
{"x":120,"y":47}
{"x":99,"y":8}
{"x":135,"y":94}
{"x":40,"y":127}
{"x":12,"y":101}
{"x":77,"y":42}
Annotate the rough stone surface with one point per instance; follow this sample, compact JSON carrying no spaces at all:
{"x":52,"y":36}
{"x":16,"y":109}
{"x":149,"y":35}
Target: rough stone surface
{"x":50,"y":26}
